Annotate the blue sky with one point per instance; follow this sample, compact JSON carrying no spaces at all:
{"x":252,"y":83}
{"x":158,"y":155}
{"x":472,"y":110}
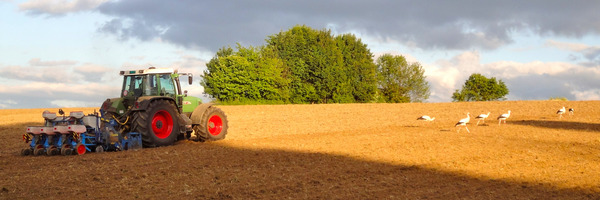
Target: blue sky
{"x":67,"y":53}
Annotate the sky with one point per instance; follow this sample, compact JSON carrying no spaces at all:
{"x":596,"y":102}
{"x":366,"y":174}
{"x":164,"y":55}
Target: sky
{"x":68,"y":53}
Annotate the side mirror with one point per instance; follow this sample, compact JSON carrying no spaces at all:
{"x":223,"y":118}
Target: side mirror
{"x":185,"y":93}
{"x":190,"y":79}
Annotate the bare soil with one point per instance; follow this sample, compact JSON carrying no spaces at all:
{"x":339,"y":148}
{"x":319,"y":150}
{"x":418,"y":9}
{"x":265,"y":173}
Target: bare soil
{"x":337,"y":151}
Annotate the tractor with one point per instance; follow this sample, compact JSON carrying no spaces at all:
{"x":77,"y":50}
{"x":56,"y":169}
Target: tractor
{"x":153,"y":104}
{"x":151,"y":112}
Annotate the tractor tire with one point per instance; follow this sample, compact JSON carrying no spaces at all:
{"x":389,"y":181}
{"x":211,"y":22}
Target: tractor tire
{"x":52,"y":151}
{"x":80,"y":149}
{"x":213,"y":125}
{"x":39,"y":150}
{"x":66,"y":150}
{"x":158,"y":125}
{"x":26,"y":152}
{"x":99,"y":149}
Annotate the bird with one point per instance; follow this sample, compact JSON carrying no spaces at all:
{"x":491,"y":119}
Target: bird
{"x":482,"y":118}
{"x":560,"y":112}
{"x":571,"y":111}
{"x":503,"y":117}
{"x":426,"y":118}
{"x":463,"y":122}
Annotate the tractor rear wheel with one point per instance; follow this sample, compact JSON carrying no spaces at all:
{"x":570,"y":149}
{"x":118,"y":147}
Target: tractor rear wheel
{"x":158,"y":125}
{"x":213,"y":125}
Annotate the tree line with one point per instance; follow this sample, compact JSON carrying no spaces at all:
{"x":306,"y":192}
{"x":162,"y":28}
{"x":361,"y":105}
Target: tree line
{"x":304,"y":65}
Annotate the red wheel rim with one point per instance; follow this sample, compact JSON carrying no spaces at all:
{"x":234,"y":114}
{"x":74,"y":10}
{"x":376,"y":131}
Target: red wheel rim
{"x":215,"y":125}
{"x":80,"y":149}
{"x":162,"y":124}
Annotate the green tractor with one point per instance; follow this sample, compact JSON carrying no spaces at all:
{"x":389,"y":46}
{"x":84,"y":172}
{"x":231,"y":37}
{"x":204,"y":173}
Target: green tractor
{"x":153,"y":104}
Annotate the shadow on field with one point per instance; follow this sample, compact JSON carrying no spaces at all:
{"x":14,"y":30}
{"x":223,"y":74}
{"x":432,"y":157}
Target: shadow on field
{"x":214,"y":171}
{"x":567,"y":125}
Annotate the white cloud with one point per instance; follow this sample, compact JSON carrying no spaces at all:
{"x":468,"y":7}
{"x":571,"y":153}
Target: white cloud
{"x":57,"y":90}
{"x":593,"y":94}
{"x":92,"y":69}
{"x":60,"y":73}
{"x":59,"y":7}
{"x":190,"y":64}
{"x":509,"y":69}
{"x":4,"y":104}
{"x":95,"y":73}
{"x":45,"y":95}
{"x":409,"y":58}
{"x":590,"y":53}
{"x":447,"y":75}
{"x":567,"y":46}
{"x":62,"y":103}
{"x":443,"y":82}
{"x":39,"y":62}
{"x":44,"y":74}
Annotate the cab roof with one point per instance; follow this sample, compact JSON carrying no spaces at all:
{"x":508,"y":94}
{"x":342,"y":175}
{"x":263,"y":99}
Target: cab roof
{"x":150,"y":70}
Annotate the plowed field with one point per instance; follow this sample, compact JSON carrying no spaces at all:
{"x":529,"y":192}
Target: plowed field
{"x":346,"y":151}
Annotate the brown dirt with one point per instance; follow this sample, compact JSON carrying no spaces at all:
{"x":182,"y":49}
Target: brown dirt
{"x":348,"y":151}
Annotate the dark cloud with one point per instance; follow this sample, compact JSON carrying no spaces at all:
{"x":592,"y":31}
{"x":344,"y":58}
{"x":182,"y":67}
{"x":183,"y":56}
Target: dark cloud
{"x":565,"y":84}
{"x":425,"y":24}
{"x":537,"y":87}
{"x":58,"y":8}
{"x":592,"y":54}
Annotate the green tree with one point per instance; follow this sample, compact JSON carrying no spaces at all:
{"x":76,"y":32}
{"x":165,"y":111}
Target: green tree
{"x":359,"y":67}
{"x":480,"y":88}
{"x":246,"y":74}
{"x":313,"y":65}
{"x":399,"y":81}
{"x":304,"y":65}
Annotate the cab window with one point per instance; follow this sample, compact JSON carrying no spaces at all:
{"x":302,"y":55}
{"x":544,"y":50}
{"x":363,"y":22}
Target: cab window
{"x":132,"y":86}
{"x":166,"y":84}
{"x":150,"y":85}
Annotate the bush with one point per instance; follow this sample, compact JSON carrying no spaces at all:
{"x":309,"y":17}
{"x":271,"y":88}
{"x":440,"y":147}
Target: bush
{"x":558,"y":99}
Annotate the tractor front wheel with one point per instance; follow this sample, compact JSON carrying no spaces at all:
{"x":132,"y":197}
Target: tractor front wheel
{"x":213,"y":125}
{"x":158,"y":125}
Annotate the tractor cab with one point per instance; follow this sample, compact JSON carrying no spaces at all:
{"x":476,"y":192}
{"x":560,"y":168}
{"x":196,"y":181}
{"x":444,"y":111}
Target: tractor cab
{"x":153,"y":82}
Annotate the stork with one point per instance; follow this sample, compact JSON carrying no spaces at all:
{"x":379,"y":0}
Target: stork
{"x":463,"y":122}
{"x":503,"y":117}
{"x":482,"y":118}
{"x":560,"y":112}
{"x":571,"y":111}
{"x":426,"y":118}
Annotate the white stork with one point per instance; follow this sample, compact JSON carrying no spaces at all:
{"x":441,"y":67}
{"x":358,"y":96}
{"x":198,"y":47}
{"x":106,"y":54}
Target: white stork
{"x":560,"y":112}
{"x":482,"y":118}
{"x":503,"y":117}
{"x":571,"y":111}
{"x":463,"y":122}
{"x":426,"y":118}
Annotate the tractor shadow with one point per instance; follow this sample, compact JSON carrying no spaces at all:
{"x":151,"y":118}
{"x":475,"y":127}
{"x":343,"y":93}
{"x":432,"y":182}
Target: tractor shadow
{"x":566,"y":125}
{"x":213,"y":170}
